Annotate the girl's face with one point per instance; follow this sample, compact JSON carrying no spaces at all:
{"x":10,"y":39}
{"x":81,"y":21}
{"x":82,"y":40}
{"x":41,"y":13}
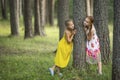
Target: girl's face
{"x":87,"y":22}
{"x":71,"y":25}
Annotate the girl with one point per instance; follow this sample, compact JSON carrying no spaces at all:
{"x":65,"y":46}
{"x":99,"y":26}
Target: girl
{"x":64,"y":48}
{"x":92,"y":45}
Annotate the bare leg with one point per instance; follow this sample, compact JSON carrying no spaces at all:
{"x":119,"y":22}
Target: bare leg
{"x":58,"y":69}
{"x":52,"y":70}
{"x":100,"y":67}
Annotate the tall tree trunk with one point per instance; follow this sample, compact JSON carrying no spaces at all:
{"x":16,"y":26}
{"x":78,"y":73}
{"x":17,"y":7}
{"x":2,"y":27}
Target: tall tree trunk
{"x":51,"y":12}
{"x":89,"y":9}
{"x":4,"y":8}
{"x":37,"y":17}
{"x":20,"y":8}
{"x":28,"y":18}
{"x":79,"y":39}
{"x":63,"y":15}
{"x":47,"y":11}
{"x":101,"y":24}
{"x":42,"y":17}
{"x":14,"y":17}
{"x":116,"y":42}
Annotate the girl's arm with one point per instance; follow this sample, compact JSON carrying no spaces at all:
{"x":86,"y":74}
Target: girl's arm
{"x":90,"y":35}
{"x":68,"y":36}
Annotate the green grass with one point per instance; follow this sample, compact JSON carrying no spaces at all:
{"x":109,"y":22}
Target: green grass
{"x":30,"y":59}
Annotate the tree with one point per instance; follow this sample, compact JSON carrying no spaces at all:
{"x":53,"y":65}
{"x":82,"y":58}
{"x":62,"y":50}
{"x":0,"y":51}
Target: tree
{"x":63,"y":14}
{"x":28,"y":18}
{"x":4,"y":8}
{"x":37,"y":17}
{"x":116,"y":42}
{"x":42,"y":17}
{"x":51,"y":12}
{"x":101,"y":25}
{"x":14,"y":17}
{"x":79,"y":14}
{"x":20,"y":7}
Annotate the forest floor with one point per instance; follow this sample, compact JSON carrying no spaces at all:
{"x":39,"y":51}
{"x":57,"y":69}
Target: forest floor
{"x":30,"y":59}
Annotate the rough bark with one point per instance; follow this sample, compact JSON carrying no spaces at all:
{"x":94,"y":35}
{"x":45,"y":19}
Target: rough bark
{"x":28,"y":18}
{"x":14,"y":17}
{"x":37,"y":17}
{"x":79,"y":39}
{"x":101,"y":25}
{"x":116,"y":42}
{"x":4,"y":8}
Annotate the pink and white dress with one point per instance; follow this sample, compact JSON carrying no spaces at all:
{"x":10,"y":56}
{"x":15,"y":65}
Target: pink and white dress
{"x":93,"y":55}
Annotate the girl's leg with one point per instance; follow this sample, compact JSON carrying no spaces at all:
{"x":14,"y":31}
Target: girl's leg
{"x":100,"y":67}
{"x":58,"y":71}
{"x":52,"y":70}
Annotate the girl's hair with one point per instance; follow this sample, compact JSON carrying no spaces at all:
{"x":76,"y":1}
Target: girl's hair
{"x":67,"y":22}
{"x":91,"y":22}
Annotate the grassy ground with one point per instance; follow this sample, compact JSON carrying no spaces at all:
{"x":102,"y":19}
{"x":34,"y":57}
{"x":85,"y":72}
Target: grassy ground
{"x":30,"y":59}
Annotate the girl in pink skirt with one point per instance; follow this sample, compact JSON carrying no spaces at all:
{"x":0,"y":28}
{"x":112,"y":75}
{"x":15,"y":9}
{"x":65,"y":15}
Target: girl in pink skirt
{"x":93,"y":54}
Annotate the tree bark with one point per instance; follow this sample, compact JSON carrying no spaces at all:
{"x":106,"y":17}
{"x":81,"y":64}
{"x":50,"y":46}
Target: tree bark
{"x":20,"y":8}
{"x":42,"y":17}
{"x":4,"y":8}
{"x":101,"y":24}
{"x":51,"y":12}
{"x":116,"y":42}
{"x":28,"y":18}
{"x":79,"y":54}
{"x":14,"y":17}
{"x":63,"y":15}
{"x":37,"y":17}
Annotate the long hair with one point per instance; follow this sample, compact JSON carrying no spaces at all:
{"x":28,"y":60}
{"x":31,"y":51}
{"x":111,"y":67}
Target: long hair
{"x":91,"y":22}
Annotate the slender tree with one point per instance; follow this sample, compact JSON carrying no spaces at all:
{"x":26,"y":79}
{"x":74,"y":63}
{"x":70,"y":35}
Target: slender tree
{"x":116,"y":42}
{"x":51,"y":12}
{"x":79,"y":14}
{"x":101,"y":24}
{"x":28,"y":18}
{"x":14,"y":17}
{"x":3,"y":8}
{"x":63,"y":14}
{"x":42,"y":17}
{"x":37,"y":17}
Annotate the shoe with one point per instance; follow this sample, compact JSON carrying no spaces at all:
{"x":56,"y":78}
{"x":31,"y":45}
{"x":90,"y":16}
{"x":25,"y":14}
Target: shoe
{"x":51,"y":71}
{"x":60,"y":74}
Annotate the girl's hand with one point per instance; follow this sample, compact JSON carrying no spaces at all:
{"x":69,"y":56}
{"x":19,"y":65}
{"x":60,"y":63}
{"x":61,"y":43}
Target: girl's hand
{"x":74,"y":32}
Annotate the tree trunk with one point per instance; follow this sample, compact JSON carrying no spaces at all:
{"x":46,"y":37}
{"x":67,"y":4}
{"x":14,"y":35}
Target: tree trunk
{"x":20,"y":8}
{"x":4,"y":8}
{"x":63,"y":15}
{"x":116,"y":42}
{"x":101,"y":24}
{"x":42,"y":17}
{"x":89,"y":8}
{"x":79,"y":14}
{"x":14,"y":17}
{"x":37,"y":17}
{"x":28,"y":18}
{"x":47,"y":11}
{"x":51,"y":12}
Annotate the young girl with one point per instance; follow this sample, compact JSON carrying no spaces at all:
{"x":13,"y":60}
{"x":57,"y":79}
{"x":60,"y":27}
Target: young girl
{"x":64,"y":48}
{"x":92,"y":45}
